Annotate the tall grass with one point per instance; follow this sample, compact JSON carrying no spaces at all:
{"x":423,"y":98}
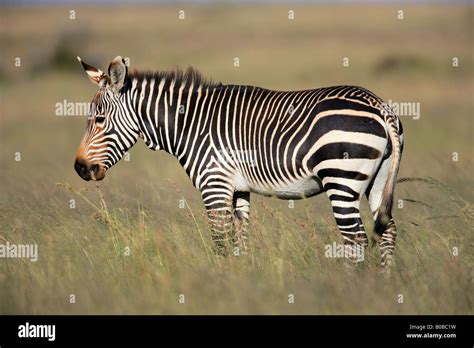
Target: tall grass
{"x":126,"y":259}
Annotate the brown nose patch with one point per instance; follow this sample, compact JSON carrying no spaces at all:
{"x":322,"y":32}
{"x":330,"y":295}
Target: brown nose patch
{"x":80,"y":154}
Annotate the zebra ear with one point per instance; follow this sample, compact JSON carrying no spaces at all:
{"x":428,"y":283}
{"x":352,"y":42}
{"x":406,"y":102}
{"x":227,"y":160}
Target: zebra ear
{"x":118,"y":70}
{"x":97,"y":76}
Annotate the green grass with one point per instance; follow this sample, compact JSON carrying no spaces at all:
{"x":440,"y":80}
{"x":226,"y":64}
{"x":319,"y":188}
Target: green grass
{"x":82,"y":251}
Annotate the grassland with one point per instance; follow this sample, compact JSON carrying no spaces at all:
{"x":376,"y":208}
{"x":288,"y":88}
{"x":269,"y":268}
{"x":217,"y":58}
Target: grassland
{"x":84,"y":251}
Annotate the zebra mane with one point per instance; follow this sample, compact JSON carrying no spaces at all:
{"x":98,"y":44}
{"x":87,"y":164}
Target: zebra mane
{"x":179,"y":76}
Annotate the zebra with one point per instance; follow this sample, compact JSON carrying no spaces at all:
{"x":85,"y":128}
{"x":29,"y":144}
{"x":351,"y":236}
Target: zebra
{"x":234,"y":140}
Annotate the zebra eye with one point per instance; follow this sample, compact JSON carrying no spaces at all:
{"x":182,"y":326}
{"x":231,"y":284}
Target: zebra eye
{"x":100,"y":119}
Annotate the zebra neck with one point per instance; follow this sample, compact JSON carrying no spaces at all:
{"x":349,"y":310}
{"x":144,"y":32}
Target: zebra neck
{"x":164,"y":110}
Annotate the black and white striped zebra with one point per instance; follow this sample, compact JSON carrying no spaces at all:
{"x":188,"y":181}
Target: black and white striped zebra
{"x":233,"y":140}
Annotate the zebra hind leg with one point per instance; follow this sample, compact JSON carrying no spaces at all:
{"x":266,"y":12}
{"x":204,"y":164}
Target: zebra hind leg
{"x":387,"y":241}
{"x":349,"y":222}
{"x":385,"y":229}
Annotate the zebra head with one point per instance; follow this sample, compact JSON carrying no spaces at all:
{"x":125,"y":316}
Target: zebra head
{"x":112,"y":126}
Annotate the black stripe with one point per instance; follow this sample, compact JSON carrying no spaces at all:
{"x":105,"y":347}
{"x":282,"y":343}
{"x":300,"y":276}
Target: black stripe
{"x":342,"y":150}
{"x":346,"y":221}
{"x":335,"y":186}
{"x":345,"y":210}
{"x":348,"y":123}
{"x":339,"y":173}
{"x":341,"y":198}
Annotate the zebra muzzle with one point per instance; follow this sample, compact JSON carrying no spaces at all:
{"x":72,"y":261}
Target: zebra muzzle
{"x":89,"y":171}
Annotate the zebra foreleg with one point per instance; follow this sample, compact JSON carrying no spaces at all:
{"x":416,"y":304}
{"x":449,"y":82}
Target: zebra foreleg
{"x":241,"y":205}
{"x":218,"y":203}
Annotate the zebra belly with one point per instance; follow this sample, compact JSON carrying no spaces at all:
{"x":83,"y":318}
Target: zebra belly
{"x":299,"y":189}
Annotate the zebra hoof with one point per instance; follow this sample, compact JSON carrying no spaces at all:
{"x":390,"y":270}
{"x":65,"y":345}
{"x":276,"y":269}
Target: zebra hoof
{"x":386,"y":267}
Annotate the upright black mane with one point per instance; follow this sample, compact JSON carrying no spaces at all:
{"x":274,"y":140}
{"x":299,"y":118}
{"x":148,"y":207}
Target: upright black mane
{"x":179,"y":76}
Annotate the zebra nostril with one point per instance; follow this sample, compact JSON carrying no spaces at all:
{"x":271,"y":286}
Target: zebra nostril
{"x":96,"y":172}
{"x":79,"y":167}
{"x":81,"y":170}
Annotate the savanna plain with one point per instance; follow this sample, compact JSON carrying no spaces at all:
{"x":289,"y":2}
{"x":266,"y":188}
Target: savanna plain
{"x":135,"y":242}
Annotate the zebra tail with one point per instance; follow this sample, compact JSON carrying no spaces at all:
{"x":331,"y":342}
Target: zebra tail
{"x":384,"y":214}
